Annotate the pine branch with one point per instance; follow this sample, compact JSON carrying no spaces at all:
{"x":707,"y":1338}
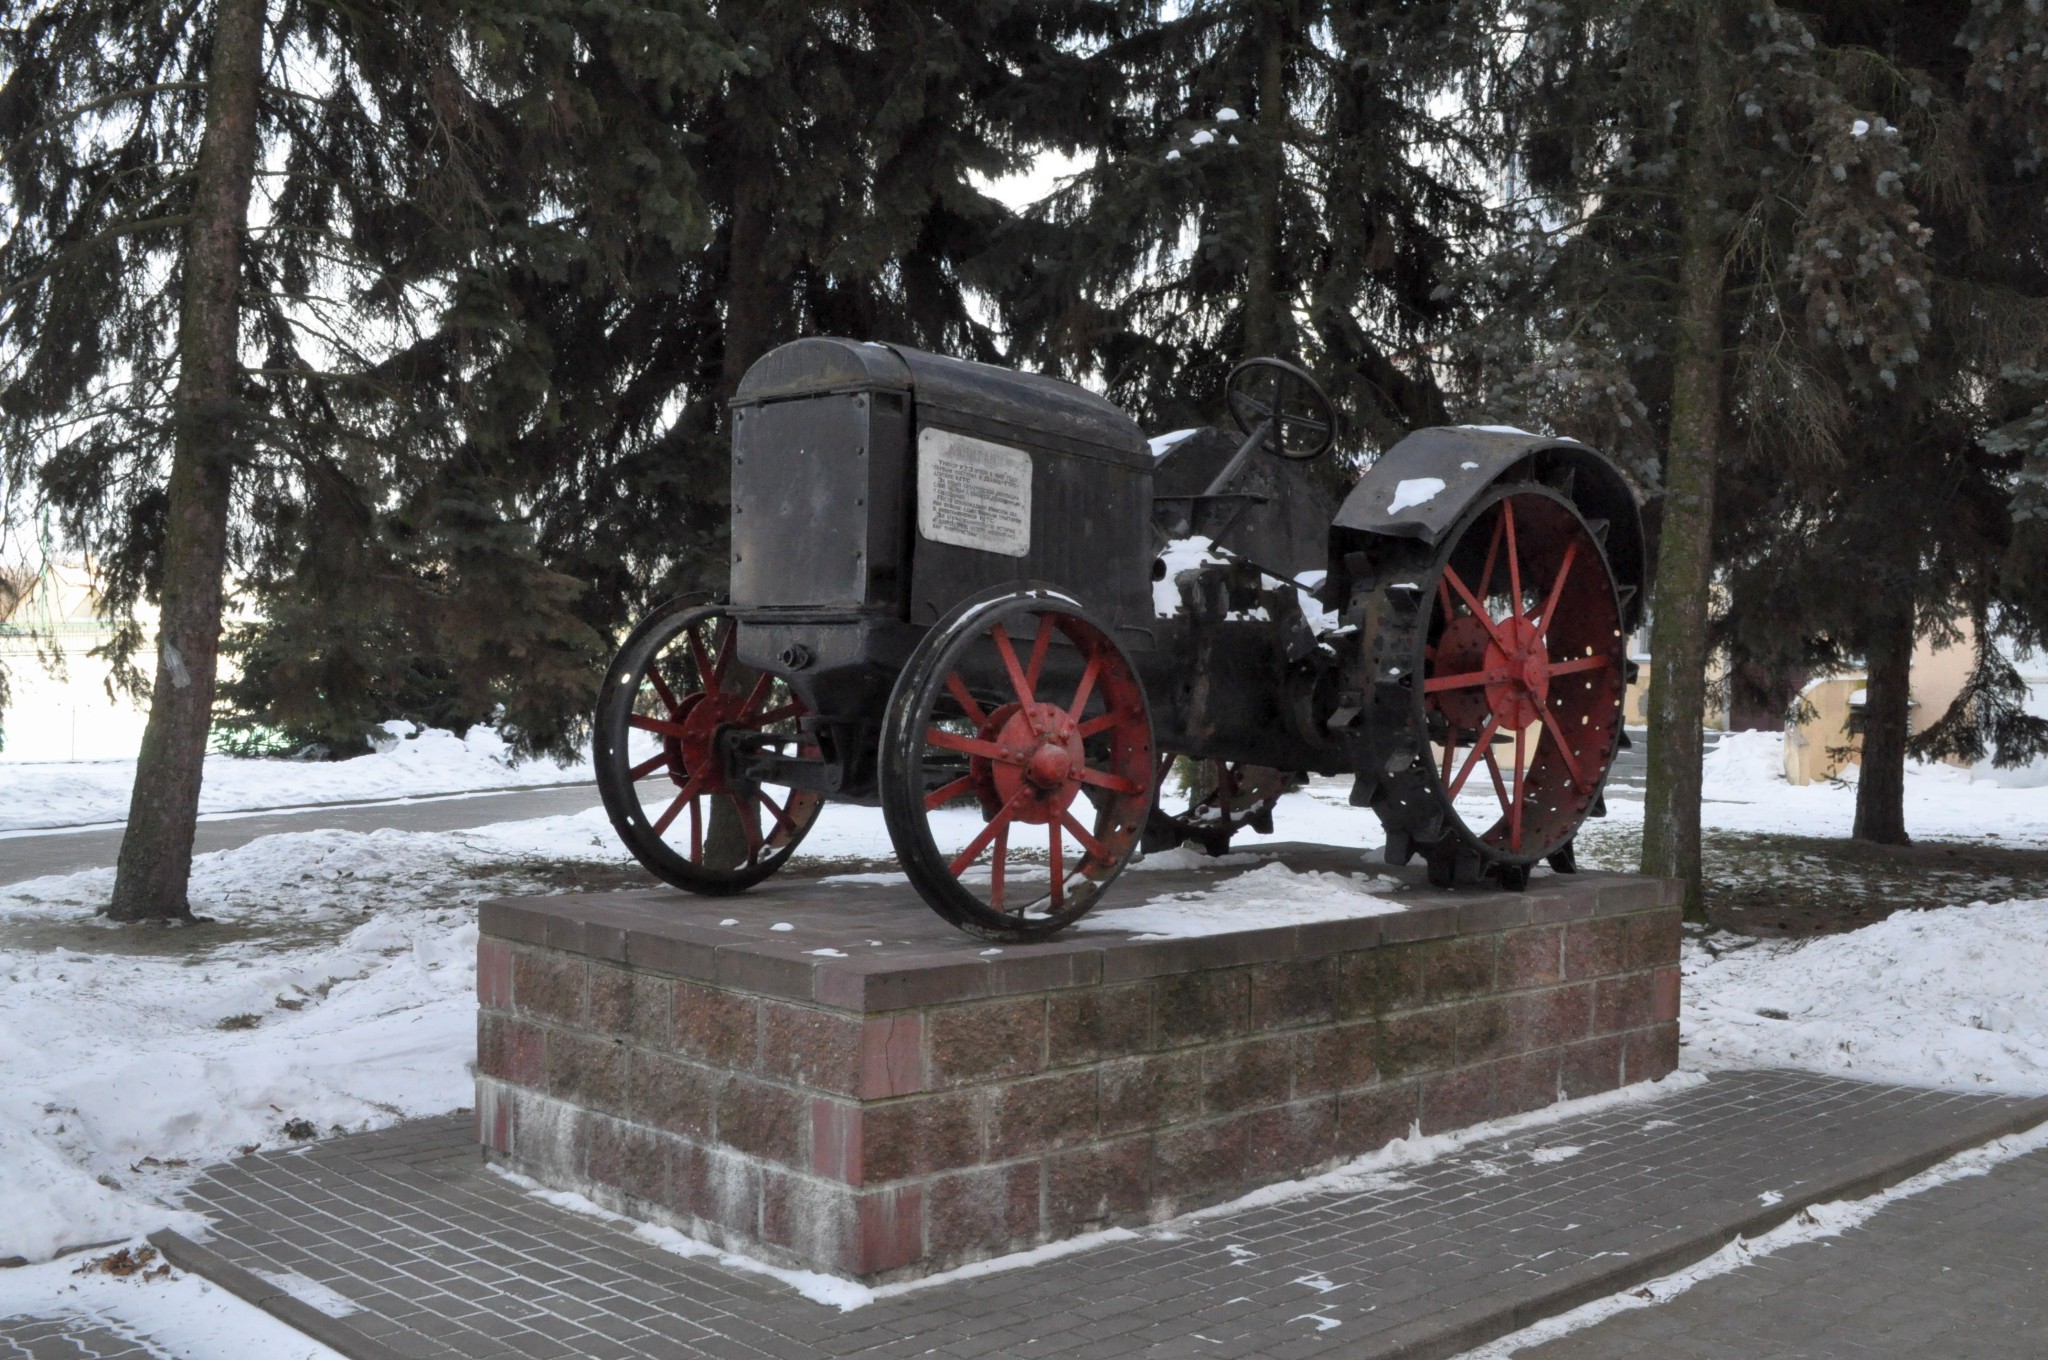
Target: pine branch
{"x":66,"y":116}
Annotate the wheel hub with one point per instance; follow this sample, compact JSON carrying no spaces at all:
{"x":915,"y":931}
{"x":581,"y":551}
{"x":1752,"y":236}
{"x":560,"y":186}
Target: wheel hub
{"x":695,"y":753}
{"x":1518,"y":698}
{"x":1048,"y":774}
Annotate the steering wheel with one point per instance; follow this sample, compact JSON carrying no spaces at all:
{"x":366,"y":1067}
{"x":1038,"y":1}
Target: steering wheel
{"x":1273,"y":396}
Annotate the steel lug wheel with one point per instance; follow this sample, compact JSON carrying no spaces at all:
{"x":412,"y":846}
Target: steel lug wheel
{"x":1515,"y":651}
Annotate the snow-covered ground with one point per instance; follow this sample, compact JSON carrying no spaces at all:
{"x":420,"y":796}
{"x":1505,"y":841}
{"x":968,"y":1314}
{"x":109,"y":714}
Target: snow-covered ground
{"x":1745,"y":790}
{"x":1940,"y":998}
{"x":413,"y":763}
{"x":342,"y":995}
{"x":163,"y":1314}
{"x":338,"y":991}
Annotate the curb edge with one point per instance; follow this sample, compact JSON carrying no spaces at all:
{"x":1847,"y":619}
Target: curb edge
{"x":332,"y":1332}
{"x":1460,"y":1330}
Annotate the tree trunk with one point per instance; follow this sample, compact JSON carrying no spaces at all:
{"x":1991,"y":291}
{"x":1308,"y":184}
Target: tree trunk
{"x":1263,"y":331}
{"x":1678,"y":629}
{"x":1887,"y":721}
{"x":752,"y":319}
{"x":156,"y":850}
{"x":751,"y":313}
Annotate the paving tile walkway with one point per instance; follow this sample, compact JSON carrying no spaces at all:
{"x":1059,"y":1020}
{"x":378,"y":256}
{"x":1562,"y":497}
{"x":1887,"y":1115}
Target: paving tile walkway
{"x":443,"y":1256}
{"x":69,"y":1337}
{"x":1957,"y":1272}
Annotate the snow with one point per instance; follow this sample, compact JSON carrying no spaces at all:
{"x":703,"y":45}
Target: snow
{"x":1272,"y":895}
{"x":1196,"y":551}
{"x":1161,"y":445}
{"x":1226,"y":115}
{"x":1744,"y":789}
{"x":171,"y":1314}
{"x":1173,"y":155}
{"x":415,"y":762}
{"x":1545,"y":1156}
{"x":1413,"y":492}
{"x":829,"y":1290}
{"x":344,"y":963}
{"x":1202,"y":138}
{"x":1860,"y":128}
{"x":1947,"y":998}
{"x":1186,"y":858}
{"x":1502,"y":429}
{"x":1182,"y":554}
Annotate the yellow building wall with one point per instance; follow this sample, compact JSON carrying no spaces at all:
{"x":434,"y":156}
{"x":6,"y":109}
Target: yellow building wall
{"x":1822,"y":746}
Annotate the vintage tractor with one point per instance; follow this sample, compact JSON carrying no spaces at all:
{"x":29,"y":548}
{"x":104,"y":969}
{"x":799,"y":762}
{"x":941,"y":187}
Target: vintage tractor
{"x":983,"y":601}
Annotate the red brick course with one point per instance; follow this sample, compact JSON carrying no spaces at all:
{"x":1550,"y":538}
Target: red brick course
{"x":892,"y":1142}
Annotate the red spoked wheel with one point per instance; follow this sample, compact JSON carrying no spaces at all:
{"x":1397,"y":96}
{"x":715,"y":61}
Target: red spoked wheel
{"x":1016,"y":764}
{"x":1522,"y":680}
{"x":1207,"y":802}
{"x":673,"y":700}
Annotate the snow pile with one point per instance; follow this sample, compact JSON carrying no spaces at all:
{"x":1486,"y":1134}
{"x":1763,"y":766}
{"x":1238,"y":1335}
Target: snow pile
{"x":1183,"y":554}
{"x":1948,"y":998}
{"x":1413,"y":492}
{"x":124,"y":1073}
{"x":1273,"y":895}
{"x":1744,"y":765}
{"x":412,"y":762}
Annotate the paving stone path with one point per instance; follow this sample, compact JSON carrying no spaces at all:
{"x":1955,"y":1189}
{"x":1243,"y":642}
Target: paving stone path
{"x":69,"y":1337}
{"x":441,"y":1256}
{"x":1957,"y":1272}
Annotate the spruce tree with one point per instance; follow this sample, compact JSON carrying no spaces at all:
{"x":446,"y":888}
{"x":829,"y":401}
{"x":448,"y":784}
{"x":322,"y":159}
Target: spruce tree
{"x":226,"y":218}
{"x":1719,"y":263}
{"x":1273,"y":178}
{"x":675,"y":199}
{"x":1850,"y":560}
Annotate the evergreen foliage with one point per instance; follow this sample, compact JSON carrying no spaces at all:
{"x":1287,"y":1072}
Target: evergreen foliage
{"x":1882,"y":272}
{"x":1274,"y":178}
{"x":356,"y":482}
{"x":673,"y":191}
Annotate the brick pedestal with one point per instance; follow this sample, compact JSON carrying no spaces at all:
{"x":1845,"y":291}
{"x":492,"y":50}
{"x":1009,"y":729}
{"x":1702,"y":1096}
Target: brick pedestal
{"x":870,"y":1093}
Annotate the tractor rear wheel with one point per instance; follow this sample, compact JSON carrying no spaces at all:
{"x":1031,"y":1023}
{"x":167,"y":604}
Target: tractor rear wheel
{"x":1509,"y":667}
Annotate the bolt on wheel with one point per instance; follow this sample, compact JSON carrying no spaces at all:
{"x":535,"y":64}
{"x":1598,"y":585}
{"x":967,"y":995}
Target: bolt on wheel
{"x":674,"y":699}
{"x":1016,"y":764}
{"x":1521,"y":680}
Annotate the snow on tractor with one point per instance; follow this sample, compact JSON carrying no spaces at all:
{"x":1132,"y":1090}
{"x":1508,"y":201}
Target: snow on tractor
{"x":983,"y":601}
